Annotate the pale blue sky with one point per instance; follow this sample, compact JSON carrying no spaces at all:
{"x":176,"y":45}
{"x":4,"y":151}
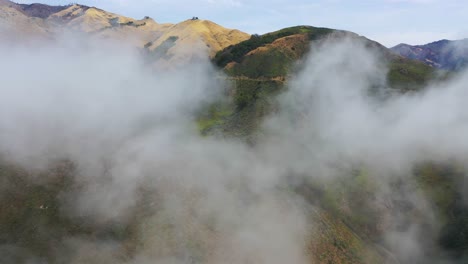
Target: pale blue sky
{"x":387,"y":21}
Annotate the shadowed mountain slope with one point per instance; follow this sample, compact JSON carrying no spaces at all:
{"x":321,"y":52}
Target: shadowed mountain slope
{"x":442,"y":54}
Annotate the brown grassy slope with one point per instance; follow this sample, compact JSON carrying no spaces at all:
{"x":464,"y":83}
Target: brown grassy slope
{"x":15,"y":26}
{"x":195,"y":36}
{"x":108,"y":25}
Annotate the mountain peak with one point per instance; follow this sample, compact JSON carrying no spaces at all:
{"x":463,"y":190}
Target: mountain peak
{"x":192,"y":35}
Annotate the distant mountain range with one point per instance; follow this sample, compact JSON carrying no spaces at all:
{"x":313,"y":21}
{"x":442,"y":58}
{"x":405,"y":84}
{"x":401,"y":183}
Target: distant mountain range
{"x":167,"y":41}
{"x":181,"y":41}
{"x":442,"y":54}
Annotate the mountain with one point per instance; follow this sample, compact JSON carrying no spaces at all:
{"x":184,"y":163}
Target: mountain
{"x":442,"y":54}
{"x":102,"y":24}
{"x":176,"y":41}
{"x":39,"y":20}
{"x":260,"y":69}
{"x":194,"y":35}
{"x":39,"y":10}
{"x":273,"y":55}
{"x":261,"y":66}
{"x":348,"y":228}
{"x":17,"y":25}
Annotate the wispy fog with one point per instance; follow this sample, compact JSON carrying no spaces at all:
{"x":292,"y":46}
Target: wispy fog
{"x":139,"y":161}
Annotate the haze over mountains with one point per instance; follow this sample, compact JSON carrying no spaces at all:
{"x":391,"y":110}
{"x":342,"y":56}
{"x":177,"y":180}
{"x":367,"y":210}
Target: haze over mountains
{"x":442,"y":54}
{"x":302,"y":145}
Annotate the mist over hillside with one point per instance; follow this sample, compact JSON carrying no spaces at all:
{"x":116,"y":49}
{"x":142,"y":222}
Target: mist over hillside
{"x":303,"y":145}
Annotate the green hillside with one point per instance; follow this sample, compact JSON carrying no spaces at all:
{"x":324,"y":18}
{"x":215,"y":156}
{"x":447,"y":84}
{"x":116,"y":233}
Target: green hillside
{"x":262,"y":65}
{"x":273,"y":55}
{"x":259,"y":69}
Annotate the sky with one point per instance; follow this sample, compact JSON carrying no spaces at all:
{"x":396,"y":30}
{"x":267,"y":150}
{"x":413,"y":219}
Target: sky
{"x":389,"y":22}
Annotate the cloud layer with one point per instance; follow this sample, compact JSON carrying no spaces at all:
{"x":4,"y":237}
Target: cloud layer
{"x":141,"y":163}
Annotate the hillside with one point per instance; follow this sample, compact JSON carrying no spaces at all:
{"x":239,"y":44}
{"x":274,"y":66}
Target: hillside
{"x":442,"y":54}
{"x":277,"y":52}
{"x":44,"y":20}
{"x":102,"y":24}
{"x":260,"y":67}
{"x":193,"y":37}
{"x":34,"y":10}
{"x":39,"y":10}
{"x":171,"y":43}
{"x":16,"y":25}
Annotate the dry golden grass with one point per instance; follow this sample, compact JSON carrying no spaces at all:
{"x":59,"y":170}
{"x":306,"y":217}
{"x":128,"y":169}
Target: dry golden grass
{"x":16,"y":25}
{"x":200,"y":35}
{"x":109,"y":25}
{"x":195,"y":37}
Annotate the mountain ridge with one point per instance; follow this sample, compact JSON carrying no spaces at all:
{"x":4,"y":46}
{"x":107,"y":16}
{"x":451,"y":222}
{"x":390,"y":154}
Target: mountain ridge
{"x":202,"y":35}
{"x":442,"y":54}
{"x":47,"y":21}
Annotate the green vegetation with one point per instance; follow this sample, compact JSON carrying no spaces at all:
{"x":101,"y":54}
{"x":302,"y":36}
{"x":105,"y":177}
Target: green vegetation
{"x":253,"y":100}
{"x":277,"y":61}
{"x":32,"y":213}
{"x":347,"y":220}
{"x":131,"y":23}
{"x":349,"y":199}
{"x":264,"y":62}
{"x":335,"y":242}
{"x":237,"y":52}
{"x":408,"y":74}
{"x":271,"y":64}
{"x":214,"y":116}
{"x":239,"y":117}
{"x":249,"y":91}
{"x":441,"y":183}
